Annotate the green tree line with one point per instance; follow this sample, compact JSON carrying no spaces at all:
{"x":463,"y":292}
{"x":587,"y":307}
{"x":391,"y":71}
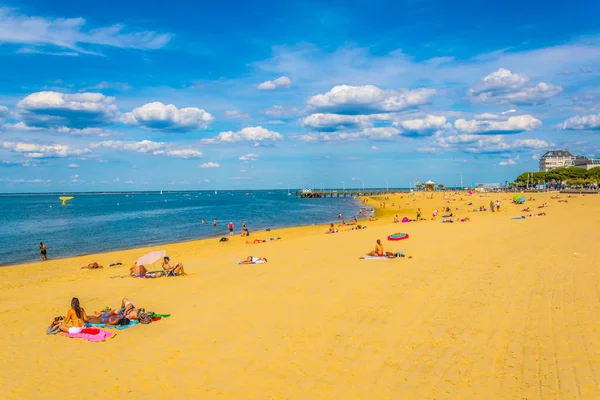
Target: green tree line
{"x":560,"y":177}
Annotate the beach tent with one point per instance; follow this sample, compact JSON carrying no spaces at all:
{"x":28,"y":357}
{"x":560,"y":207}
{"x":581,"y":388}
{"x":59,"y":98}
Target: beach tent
{"x":521,"y":199}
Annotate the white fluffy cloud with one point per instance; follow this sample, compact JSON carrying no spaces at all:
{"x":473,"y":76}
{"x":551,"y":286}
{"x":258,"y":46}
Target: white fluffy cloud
{"x":334,"y":122}
{"x":369,"y":99}
{"x":158,"y":116}
{"x":424,"y":126}
{"x":510,"y":161}
{"x":586,"y":122}
{"x":485,"y":144}
{"x":249,"y":157}
{"x":100,"y":132}
{"x":148,"y":146}
{"x":511,"y":125}
{"x":71,"y":34}
{"x":4,"y":112}
{"x":210,"y":165}
{"x":504,"y":86}
{"x":281,"y":82}
{"x":256,"y":135}
{"x":55,"y":110}
{"x":33,"y":150}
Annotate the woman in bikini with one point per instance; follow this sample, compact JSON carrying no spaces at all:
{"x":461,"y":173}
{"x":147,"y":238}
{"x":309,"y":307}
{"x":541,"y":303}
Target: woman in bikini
{"x":75,"y":317}
{"x":127,"y":310}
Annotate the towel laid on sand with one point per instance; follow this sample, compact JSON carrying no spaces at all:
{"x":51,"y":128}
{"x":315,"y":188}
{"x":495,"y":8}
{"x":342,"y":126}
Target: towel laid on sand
{"x":382,"y":257}
{"x":119,"y":327}
{"x":521,"y":217}
{"x":98,"y":337}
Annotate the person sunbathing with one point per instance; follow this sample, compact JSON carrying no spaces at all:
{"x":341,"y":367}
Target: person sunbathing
{"x":253,"y":260}
{"x":255,"y":241}
{"x":543,"y":205}
{"x":176,"y":269}
{"x":93,"y":265}
{"x":137,"y":271}
{"x":108,"y":319}
{"x":332,"y":229}
{"x":372,"y":219}
{"x":127,"y":310}
{"x":378,"y":252}
{"x":526,"y":210}
{"x":396,"y":219}
{"x":75,"y":317}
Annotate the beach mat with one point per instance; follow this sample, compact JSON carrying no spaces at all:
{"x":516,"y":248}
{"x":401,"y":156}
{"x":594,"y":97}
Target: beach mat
{"x":516,"y":218}
{"x":381,"y":258}
{"x":99,"y":337}
{"x":119,"y":327}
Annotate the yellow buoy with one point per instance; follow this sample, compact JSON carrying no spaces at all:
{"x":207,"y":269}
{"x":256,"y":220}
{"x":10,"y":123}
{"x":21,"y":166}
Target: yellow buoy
{"x":65,"y":199}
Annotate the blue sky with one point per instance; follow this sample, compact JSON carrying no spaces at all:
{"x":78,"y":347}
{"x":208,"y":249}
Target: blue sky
{"x":107,"y":95}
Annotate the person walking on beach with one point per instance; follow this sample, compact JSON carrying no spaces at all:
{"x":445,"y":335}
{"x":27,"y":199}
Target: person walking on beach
{"x":418,"y":214}
{"x":435,"y":213}
{"x":230,"y":229}
{"x":498,"y":205}
{"x":215,"y":223}
{"x":43,"y":255}
{"x":492,"y":205}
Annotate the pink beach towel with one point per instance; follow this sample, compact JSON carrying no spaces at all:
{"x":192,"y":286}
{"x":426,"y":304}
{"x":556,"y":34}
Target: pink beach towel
{"x":99,"y":337}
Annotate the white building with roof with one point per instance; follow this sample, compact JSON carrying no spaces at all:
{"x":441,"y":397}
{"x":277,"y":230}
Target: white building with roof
{"x":556,"y":159}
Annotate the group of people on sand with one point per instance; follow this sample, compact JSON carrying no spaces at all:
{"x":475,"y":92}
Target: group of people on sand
{"x":76,"y":318}
{"x":139,"y":271}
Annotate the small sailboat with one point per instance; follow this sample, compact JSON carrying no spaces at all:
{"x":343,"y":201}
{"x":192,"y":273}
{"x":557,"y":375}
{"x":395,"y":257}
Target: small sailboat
{"x":289,"y":194}
{"x":161,"y":192}
{"x":215,"y":192}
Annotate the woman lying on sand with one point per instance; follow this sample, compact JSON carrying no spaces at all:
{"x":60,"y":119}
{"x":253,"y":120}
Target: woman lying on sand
{"x":253,"y":260}
{"x":127,"y":310}
{"x":93,"y":265}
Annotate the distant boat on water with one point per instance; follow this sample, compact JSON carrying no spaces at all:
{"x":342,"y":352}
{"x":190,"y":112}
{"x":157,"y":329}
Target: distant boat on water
{"x":215,"y":192}
{"x":161,"y":192}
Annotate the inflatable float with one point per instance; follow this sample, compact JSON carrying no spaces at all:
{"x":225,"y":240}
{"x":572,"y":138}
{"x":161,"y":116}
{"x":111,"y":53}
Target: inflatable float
{"x":398,"y":236}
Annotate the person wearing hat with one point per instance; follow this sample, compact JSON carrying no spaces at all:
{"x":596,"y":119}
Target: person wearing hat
{"x":176,"y":269}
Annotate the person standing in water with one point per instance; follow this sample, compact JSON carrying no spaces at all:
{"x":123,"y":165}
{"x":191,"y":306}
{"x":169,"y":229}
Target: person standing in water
{"x":202,"y":221}
{"x":215,"y":223}
{"x":230,"y":228}
{"x":43,"y":255}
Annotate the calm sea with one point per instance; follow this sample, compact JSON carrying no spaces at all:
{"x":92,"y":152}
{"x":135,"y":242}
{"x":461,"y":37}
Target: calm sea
{"x":93,"y":223}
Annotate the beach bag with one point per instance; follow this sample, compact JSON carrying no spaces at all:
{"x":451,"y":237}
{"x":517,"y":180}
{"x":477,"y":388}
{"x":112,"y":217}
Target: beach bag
{"x":145,"y":318}
{"x":224,"y":239}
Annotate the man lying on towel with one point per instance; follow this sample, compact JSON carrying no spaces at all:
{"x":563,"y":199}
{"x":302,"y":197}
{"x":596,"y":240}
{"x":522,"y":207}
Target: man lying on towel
{"x":253,"y":260}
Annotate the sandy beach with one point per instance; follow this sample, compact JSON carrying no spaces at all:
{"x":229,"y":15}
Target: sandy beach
{"x":494,"y":308}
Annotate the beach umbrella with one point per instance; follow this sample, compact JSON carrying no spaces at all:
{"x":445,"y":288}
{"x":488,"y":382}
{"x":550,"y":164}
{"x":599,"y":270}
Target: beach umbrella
{"x":521,"y":199}
{"x":151,"y":258}
{"x":516,"y":197}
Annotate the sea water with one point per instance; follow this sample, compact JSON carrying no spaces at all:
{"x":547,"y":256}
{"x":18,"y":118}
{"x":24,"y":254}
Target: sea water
{"x":94,"y":223}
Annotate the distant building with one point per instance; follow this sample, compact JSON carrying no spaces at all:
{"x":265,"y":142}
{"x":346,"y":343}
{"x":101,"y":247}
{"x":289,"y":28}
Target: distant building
{"x":556,"y":159}
{"x":586,"y":163}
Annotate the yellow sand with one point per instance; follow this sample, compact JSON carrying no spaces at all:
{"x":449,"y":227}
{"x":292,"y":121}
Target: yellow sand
{"x":491,"y":309}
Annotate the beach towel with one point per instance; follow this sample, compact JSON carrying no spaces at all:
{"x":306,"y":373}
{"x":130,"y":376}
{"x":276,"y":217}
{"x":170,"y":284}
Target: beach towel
{"x":99,"y":337}
{"x":521,"y":217}
{"x":382,"y":257}
{"x":119,"y":327}
{"x":155,"y":315}
{"x":253,"y":262}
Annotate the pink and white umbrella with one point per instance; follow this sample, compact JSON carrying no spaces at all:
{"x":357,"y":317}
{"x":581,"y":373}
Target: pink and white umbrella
{"x":151,"y":257}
